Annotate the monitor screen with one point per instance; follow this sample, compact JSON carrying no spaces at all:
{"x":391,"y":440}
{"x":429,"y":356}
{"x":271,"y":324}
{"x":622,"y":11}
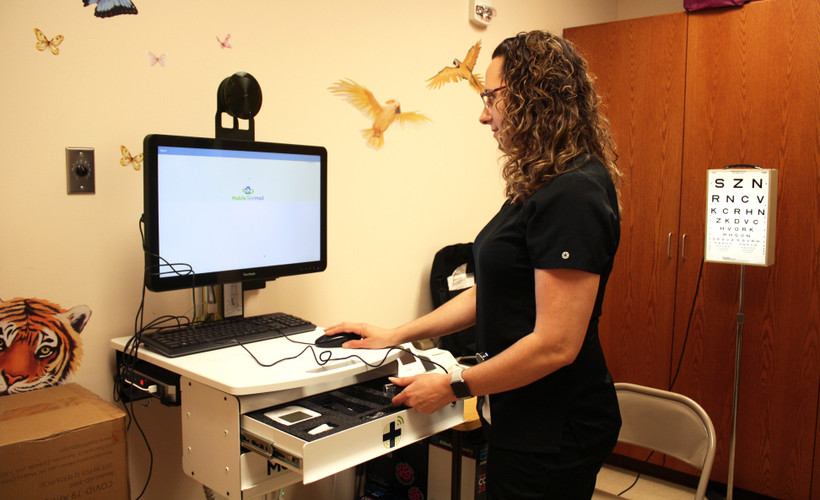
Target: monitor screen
{"x":221,"y":211}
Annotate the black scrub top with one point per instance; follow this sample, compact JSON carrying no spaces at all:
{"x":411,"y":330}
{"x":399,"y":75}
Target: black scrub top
{"x":572,"y":222}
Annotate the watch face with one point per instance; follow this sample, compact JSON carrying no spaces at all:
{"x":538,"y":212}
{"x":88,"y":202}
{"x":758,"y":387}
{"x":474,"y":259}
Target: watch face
{"x":460,"y":389}
{"x":459,"y":386}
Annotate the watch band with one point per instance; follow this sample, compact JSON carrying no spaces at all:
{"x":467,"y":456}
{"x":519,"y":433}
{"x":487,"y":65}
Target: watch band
{"x":459,"y":385}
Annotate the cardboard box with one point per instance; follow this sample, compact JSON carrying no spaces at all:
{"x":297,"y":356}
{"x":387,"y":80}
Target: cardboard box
{"x":473,"y":466}
{"x":62,"y":442}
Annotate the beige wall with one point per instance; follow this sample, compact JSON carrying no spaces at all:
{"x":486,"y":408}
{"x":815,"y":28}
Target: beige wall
{"x":631,"y":9}
{"x":390,"y":210}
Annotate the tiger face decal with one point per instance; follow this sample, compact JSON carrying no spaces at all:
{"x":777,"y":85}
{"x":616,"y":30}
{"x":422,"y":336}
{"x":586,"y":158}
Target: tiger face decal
{"x":40,"y":344}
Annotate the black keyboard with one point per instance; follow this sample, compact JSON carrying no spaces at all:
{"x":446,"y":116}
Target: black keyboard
{"x":201,"y":337}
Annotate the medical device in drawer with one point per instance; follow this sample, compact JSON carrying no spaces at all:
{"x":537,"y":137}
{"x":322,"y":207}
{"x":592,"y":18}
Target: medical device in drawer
{"x":326,"y":433}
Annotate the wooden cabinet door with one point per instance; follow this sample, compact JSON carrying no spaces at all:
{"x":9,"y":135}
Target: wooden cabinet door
{"x":753,"y":96}
{"x":639,"y":65}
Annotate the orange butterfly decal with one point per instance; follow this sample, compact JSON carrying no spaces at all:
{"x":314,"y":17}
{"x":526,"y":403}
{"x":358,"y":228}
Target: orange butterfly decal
{"x":225,"y":44}
{"x":128,"y":159}
{"x":44,"y":43}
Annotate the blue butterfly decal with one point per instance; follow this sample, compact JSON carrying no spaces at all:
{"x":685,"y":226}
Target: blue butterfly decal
{"x":110,"y":8}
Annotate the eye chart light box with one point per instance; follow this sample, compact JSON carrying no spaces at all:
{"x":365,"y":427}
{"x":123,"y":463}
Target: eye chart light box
{"x":741,"y":205}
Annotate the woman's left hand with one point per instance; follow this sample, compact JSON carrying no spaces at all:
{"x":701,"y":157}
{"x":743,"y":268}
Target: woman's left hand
{"x":426,"y":392}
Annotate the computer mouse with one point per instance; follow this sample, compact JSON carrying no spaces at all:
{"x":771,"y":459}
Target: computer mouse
{"x":336,"y":340}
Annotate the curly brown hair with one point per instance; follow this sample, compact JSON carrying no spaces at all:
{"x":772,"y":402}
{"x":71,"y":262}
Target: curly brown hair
{"x":551,"y":113}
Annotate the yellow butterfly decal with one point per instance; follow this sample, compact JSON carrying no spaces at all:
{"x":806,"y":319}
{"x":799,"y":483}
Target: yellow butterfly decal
{"x":44,"y":43}
{"x":128,"y":159}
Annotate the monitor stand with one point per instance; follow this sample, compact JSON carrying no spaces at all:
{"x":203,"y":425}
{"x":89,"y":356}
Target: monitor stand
{"x":215,"y":302}
{"x":233,"y":300}
{"x":240,"y":97}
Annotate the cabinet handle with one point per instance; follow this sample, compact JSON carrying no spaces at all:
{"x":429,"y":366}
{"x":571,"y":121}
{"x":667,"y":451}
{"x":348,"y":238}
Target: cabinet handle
{"x":683,"y":247}
{"x":669,"y":246}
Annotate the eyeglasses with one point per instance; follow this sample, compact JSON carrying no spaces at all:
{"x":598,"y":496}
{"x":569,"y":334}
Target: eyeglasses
{"x":488,"y":96}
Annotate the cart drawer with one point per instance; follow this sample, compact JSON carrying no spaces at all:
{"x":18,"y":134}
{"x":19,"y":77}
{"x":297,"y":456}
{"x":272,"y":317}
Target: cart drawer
{"x":327,"y":433}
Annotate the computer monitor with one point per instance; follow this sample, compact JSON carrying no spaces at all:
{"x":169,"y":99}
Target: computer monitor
{"x":234,"y":211}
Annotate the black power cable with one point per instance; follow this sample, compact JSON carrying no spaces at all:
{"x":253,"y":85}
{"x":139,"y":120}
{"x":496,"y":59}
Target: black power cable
{"x":130,"y":352}
{"x":688,"y":326}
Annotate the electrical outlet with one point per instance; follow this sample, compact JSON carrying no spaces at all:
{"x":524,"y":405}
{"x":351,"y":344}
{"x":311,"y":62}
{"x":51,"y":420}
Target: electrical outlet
{"x":79,"y":170}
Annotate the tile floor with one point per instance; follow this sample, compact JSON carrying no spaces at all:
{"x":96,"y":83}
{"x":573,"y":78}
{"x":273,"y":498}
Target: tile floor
{"x":613,"y":480}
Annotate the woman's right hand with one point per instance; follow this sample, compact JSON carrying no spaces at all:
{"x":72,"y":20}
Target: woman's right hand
{"x":372,"y":337}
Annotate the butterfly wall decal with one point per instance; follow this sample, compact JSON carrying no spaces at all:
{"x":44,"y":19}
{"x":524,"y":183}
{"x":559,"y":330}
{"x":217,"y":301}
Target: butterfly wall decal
{"x":153,"y":59}
{"x":44,"y":43}
{"x":135,"y":161}
{"x":226,"y":43}
{"x":111,"y":8}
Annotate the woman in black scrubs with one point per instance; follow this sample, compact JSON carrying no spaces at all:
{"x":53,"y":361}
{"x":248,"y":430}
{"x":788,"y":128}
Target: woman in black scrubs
{"x":547,"y":401}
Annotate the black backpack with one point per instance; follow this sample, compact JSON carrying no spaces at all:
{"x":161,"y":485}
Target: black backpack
{"x":445,"y":263}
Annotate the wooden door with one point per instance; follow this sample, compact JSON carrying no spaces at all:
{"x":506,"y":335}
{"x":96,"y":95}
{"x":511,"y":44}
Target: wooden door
{"x":639,"y":65}
{"x":753,"y":96}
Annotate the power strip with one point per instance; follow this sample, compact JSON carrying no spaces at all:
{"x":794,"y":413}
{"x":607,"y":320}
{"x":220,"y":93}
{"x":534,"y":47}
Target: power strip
{"x":144,"y":380}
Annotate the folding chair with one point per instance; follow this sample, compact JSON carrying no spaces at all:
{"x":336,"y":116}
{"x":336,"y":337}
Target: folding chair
{"x":669,"y":423}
